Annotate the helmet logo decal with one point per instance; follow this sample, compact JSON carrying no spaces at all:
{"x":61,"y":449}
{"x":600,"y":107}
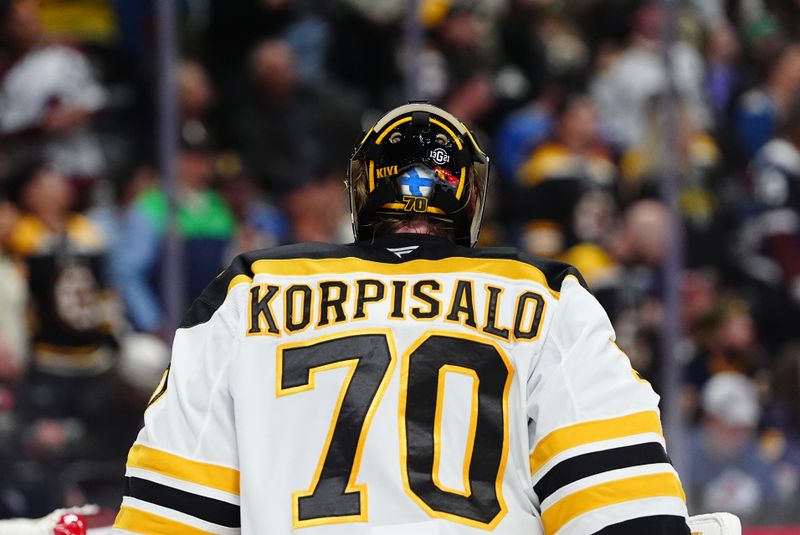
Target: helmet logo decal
{"x":416,"y":185}
{"x":415,"y":204}
{"x":439,"y":156}
{"x":383,"y":172}
{"x":446,"y":176}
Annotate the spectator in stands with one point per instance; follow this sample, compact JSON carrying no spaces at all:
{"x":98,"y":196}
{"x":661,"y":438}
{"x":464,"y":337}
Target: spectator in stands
{"x":290,"y":133}
{"x":723,"y":340}
{"x":698,"y":167}
{"x":623,"y":90}
{"x":259,"y":223}
{"x":775,"y":173}
{"x":565,"y":188}
{"x":779,"y":436}
{"x":456,"y":58}
{"x":632,"y":295}
{"x":722,"y":71}
{"x":764,"y":107}
{"x":233,"y":29}
{"x":522,"y":131}
{"x":204,"y":221}
{"x":317,"y":211}
{"x":470,"y":94}
{"x":769,"y":243}
{"x":727,"y":470}
{"x":64,"y":256}
{"x":48,"y":93}
{"x":139,"y":223}
{"x":196,"y":96}
{"x":134,"y":248}
{"x":642,"y":164}
{"x":73,"y":349}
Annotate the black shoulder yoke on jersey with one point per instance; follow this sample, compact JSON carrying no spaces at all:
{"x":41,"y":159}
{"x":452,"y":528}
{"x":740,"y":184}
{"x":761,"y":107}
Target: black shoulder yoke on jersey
{"x":428,"y":248}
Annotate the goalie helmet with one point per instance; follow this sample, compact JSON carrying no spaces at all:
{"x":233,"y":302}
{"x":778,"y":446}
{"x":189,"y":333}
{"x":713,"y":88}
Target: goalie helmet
{"x":418,"y":159}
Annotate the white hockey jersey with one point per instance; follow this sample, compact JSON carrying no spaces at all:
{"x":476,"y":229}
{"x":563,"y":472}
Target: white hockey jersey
{"x":407,"y":386}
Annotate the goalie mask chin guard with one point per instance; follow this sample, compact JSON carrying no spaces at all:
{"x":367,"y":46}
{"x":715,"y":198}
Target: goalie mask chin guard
{"x":419,"y":159}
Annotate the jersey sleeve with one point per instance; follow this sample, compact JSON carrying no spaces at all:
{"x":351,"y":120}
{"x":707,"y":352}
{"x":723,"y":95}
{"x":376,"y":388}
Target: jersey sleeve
{"x":598,"y":458}
{"x":182,"y":472}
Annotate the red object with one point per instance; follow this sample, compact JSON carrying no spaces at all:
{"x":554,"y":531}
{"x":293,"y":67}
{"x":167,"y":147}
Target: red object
{"x":446,"y":176}
{"x":70,"y":524}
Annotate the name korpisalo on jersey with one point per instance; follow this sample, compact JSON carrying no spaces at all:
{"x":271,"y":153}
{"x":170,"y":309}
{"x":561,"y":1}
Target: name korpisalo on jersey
{"x":281,"y":309}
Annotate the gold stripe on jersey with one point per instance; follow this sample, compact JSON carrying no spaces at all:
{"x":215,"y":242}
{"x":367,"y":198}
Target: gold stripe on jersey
{"x":593,"y":431}
{"x":498,"y":267}
{"x":138,"y":521}
{"x":239,"y":279}
{"x":171,"y":465}
{"x":159,"y":391}
{"x":437,"y":428}
{"x":659,"y":485}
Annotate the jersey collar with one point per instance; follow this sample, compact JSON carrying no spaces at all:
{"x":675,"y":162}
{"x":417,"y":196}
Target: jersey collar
{"x":407,"y":239}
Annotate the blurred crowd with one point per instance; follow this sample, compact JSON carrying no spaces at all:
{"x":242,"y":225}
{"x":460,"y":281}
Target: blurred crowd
{"x":569,"y":99}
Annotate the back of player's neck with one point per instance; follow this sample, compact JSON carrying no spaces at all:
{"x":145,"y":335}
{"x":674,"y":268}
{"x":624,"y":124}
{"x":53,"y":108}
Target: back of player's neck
{"x":415,"y":226}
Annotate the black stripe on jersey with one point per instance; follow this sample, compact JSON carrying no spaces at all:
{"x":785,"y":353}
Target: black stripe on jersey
{"x":597,"y":462}
{"x":202,"y":507}
{"x":651,"y":525}
{"x":554,"y":271}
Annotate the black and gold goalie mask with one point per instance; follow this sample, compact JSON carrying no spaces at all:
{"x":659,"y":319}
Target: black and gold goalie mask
{"x":419,"y":159}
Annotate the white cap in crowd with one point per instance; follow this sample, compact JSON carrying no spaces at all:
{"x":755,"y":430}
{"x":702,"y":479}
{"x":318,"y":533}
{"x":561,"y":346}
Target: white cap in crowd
{"x":731,"y":397}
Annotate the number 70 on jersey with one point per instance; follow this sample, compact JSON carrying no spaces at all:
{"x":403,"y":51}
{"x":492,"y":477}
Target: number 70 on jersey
{"x":333,"y":495}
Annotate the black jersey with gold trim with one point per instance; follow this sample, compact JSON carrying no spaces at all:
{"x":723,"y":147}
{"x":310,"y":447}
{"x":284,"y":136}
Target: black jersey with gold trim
{"x":71,"y":320}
